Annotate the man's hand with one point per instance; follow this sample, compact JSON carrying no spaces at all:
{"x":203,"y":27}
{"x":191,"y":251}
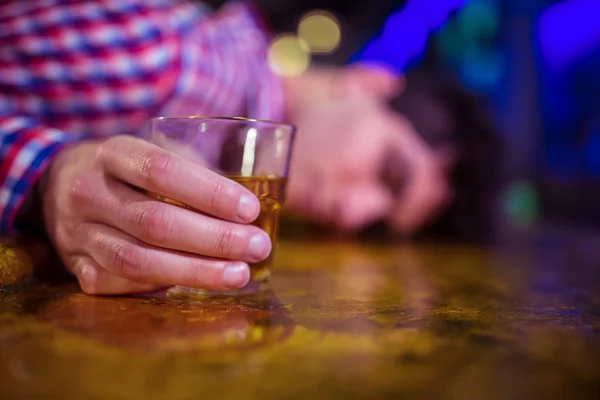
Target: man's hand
{"x":115,"y":239}
{"x":355,"y":161}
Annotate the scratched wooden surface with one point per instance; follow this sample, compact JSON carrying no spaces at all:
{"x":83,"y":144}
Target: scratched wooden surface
{"x":344,"y":320}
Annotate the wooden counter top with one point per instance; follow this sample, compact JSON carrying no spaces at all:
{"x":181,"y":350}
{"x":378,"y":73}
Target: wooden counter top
{"x":344,"y":321}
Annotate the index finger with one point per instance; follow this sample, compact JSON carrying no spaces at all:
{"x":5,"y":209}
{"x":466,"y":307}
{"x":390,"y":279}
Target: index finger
{"x":161,"y":172}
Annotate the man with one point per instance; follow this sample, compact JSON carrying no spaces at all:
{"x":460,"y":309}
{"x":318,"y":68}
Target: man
{"x":78,"y":79}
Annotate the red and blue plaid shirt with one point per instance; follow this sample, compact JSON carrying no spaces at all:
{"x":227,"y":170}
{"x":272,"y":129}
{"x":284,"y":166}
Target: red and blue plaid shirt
{"x":76,"y":69}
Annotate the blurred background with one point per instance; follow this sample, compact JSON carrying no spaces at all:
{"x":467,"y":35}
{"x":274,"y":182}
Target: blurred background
{"x":532,"y":65}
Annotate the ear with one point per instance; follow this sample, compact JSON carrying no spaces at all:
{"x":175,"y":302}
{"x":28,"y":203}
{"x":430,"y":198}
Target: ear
{"x":374,"y":79}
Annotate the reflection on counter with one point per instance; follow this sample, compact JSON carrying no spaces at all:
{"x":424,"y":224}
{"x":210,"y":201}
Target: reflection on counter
{"x":159,"y":324}
{"x":344,"y":320}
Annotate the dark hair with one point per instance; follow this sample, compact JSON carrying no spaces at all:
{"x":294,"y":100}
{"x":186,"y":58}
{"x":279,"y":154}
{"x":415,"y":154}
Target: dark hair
{"x":444,"y":113}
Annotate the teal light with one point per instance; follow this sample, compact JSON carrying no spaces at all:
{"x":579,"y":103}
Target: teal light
{"x":521,"y":204}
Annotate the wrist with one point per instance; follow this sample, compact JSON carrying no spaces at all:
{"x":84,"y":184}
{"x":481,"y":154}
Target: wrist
{"x":321,"y":86}
{"x":315,"y":87}
{"x":29,"y":219}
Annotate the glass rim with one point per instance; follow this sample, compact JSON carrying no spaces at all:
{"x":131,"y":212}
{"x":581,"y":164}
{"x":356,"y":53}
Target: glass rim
{"x":238,"y":119}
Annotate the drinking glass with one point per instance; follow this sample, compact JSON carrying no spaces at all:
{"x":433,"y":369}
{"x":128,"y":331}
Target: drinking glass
{"x":254,"y":153}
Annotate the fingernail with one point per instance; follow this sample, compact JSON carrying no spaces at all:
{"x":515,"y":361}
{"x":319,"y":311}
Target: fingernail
{"x":236,"y":275}
{"x":247,"y":209}
{"x":260,"y":246}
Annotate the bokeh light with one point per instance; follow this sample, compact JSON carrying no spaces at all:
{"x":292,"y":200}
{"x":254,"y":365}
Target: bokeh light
{"x":404,"y":36}
{"x":321,"y":31}
{"x":288,"y":56}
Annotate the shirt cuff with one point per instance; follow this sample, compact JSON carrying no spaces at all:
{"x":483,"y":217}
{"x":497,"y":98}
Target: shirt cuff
{"x":27,"y":149}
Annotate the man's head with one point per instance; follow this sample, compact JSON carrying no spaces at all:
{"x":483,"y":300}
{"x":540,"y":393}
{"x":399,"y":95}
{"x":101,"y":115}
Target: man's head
{"x":452,"y":122}
{"x":455,"y":200}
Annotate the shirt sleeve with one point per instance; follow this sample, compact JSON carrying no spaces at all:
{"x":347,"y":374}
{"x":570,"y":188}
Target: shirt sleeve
{"x":26,"y":149}
{"x":75,"y":70}
{"x":266,"y":96}
{"x":225,"y":69}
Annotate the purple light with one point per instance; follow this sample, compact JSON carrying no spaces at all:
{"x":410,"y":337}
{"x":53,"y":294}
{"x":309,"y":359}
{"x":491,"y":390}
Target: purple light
{"x":568,"y":30}
{"x":404,"y":35}
{"x":433,"y":13}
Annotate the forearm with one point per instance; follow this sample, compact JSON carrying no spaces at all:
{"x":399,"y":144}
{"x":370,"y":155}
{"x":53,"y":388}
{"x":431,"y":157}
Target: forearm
{"x":322,"y":86}
{"x":317,"y":87}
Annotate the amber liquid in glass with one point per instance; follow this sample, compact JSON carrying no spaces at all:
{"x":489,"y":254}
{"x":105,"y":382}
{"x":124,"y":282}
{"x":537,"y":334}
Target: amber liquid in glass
{"x":270,"y":192}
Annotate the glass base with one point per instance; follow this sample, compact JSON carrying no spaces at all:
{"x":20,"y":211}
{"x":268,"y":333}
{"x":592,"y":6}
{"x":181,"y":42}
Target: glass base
{"x":251,"y":289}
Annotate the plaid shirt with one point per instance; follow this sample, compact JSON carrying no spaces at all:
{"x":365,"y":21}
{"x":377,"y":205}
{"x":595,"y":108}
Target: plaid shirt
{"x":71,"y":70}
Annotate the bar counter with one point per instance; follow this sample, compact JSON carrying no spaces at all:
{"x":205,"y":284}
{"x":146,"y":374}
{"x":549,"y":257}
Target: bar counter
{"x":344,"y":320}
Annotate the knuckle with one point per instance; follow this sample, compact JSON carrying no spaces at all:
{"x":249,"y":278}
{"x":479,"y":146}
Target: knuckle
{"x":128,"y":261}
{"x":207,"y":274}
{"x":82,"y":190}
{"x":153,"y":222}
{"x":109,"y":147}
{"x":200,"y":280}
{"x":219,"y":192}
{"x":71,"y":230}
{"x":105,"y":148}
{"x":226,"y":240}
{"x":156,"y":166}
